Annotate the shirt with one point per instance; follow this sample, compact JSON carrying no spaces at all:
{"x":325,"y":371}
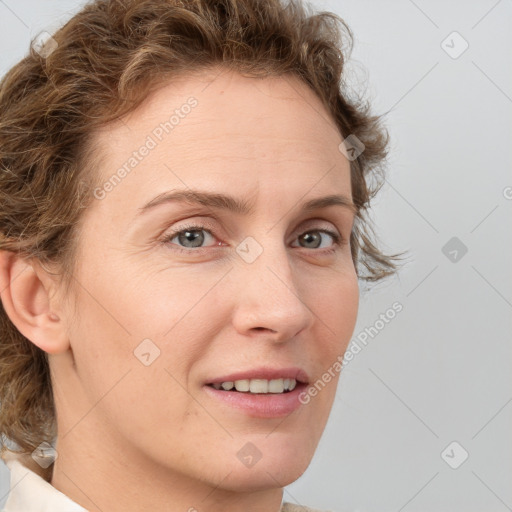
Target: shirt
{"x":31,"y":492}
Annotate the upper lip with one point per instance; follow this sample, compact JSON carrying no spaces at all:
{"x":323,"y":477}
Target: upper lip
{"x":264,"y":373}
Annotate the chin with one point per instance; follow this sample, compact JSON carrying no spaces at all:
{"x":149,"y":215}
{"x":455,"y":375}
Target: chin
{"x":265,"y":476}
{"x":280,"y":463}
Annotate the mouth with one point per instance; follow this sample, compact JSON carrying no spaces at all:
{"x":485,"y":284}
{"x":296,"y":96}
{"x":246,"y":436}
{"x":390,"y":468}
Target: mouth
{"x":257,"y":386}
{"x":263,"y":393}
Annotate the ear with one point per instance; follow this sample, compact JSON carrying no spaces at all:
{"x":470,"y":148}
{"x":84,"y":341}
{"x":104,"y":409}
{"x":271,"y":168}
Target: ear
{"x":26,"y":291}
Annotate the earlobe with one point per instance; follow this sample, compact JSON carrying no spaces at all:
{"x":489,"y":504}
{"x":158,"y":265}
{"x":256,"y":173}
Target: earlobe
{"x":26,"y":291}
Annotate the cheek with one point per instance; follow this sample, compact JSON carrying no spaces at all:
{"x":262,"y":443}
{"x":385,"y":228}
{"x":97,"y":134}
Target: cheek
{"x":161,"y":302}
{"x":340,"y":304}
{"x":135,"y":373}
{"x":336,"y":310}
{"x":129,"y":317}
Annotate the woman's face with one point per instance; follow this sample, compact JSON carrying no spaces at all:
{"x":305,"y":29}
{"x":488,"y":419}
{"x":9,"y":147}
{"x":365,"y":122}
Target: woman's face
{"x":179,"y":295}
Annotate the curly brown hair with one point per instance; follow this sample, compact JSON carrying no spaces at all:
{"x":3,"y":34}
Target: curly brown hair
{"x":100,"y":66}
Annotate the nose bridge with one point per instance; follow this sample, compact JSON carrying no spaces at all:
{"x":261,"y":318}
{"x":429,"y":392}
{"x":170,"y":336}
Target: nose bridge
{"x":269,"y":297}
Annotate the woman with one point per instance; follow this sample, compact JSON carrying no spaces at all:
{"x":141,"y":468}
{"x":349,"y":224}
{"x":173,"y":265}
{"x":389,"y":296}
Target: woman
{"x":183,"y":186}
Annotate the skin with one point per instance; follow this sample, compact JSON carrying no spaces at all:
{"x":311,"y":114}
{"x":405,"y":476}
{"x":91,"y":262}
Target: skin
{"x":134,"y":437}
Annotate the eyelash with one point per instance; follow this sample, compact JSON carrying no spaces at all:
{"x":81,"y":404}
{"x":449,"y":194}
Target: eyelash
{"x":338,"y":239}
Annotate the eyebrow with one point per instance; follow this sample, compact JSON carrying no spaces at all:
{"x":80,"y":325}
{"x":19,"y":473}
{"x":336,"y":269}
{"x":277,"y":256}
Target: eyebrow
{"x":243,"y":207}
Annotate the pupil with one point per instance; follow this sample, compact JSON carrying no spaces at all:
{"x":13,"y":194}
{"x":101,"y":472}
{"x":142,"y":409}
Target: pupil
{"x":191,"y":236}
{"x":308,"y":237}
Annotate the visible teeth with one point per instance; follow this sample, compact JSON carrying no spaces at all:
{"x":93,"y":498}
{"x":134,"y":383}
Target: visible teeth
{"x":275,"y":386}
{"x":242,"y":385}
{"x":258,"y":385}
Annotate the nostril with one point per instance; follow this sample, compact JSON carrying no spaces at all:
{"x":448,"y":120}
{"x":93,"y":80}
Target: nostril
{"x":264,"y":329}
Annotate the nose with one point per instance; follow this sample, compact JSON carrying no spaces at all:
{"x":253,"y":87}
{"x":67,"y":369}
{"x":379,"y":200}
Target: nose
{"x":270,"y":302}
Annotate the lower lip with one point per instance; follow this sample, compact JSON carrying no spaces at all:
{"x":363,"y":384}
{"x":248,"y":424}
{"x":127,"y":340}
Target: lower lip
{"x":264,"y":405}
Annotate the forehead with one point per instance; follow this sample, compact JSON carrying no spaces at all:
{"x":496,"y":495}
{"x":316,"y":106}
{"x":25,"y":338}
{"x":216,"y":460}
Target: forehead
{"x":220,"y":126}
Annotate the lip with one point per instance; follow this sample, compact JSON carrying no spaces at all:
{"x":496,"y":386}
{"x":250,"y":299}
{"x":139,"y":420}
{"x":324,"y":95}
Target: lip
{"x":264,"y":405}
{"x":264,"y":373}
{"x":261,"y":405}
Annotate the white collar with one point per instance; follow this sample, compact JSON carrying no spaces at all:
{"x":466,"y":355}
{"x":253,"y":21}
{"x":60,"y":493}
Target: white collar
{"x":29,"y":491}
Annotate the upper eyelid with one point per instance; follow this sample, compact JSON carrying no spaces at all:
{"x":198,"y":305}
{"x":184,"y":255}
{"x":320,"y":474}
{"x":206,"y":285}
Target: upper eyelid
{"x":209,"y":220}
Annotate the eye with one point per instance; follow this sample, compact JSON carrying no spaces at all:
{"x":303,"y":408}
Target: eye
{"x":190,"y":237}
{"x":313,"y":240}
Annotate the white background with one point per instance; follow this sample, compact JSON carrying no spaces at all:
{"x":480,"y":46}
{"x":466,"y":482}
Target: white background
{"x":440,"y":370}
